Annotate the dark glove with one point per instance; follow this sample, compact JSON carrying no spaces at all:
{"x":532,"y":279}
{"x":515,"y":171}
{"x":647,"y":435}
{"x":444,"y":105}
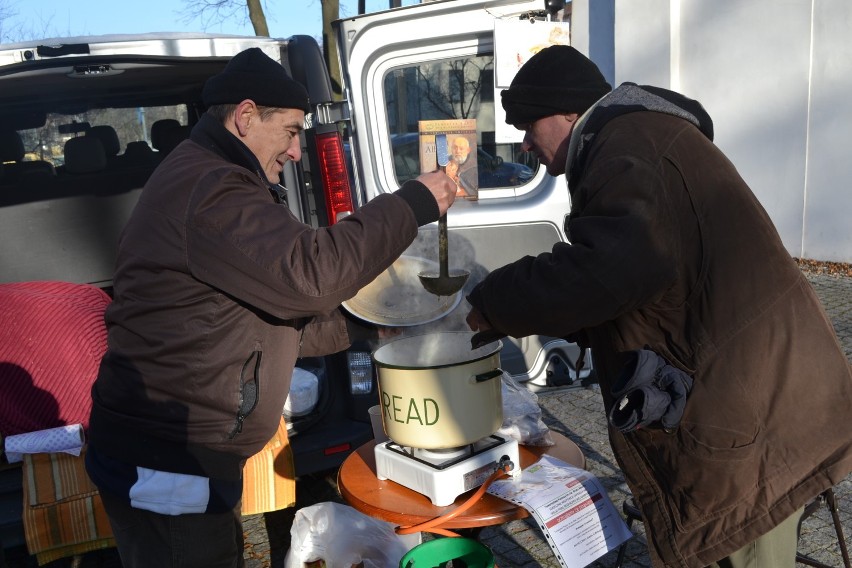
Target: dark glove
{"x":485,"y":337}
{"x":649,"y":390}
{"x":485,"y":332}
{"x":359,"y":330}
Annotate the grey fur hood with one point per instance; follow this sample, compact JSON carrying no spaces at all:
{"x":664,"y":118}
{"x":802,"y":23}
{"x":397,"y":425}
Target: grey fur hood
{"x":627,"y":98}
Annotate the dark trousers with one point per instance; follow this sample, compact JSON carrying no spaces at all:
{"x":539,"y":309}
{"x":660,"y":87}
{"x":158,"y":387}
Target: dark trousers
{"x":151,"y":540}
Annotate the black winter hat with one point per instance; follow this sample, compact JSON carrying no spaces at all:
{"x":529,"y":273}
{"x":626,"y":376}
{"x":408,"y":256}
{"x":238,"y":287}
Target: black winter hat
{"x":251,"y":74}
{"x":558,"y":79}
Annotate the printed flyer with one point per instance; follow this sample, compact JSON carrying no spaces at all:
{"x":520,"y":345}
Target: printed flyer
{"x":571,"y":507}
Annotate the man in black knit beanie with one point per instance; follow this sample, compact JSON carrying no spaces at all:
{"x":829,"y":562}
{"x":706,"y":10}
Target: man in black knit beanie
{"x":218,"y":290}
{"x":720,"y":373}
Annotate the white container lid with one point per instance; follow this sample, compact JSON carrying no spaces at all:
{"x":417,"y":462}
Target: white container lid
{"x":304,"y":393}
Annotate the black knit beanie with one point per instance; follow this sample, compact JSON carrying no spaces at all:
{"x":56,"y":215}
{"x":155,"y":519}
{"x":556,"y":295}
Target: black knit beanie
{"x":251,"y":74}
{"x":556,"y":80}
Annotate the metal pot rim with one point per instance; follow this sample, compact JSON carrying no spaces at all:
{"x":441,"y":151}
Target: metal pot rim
{"x":459,"y":338}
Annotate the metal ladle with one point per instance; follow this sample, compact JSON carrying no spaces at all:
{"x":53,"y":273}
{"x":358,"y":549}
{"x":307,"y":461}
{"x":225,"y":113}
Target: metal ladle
{"x":443,"y":283}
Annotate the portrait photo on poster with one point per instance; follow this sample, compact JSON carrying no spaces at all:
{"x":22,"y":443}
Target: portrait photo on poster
{"x":456,"y":140}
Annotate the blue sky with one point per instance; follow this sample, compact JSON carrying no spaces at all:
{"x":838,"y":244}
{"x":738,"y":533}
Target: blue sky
{"x":35,"y":19}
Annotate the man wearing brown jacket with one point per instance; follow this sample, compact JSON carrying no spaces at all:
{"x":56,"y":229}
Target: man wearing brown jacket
{"x":218,"y":289}
{"x":676,"y":276}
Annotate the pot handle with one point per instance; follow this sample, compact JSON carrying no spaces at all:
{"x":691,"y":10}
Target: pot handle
{"x":493,"y":373}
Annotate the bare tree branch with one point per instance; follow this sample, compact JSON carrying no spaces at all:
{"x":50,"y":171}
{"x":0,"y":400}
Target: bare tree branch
{"x":13,"y":28}
{"x":454,"y":96}
{"x":214,"y":12}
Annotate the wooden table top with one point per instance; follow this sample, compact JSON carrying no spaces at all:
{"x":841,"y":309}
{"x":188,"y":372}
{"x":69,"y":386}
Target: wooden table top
{"x":397,"y":504}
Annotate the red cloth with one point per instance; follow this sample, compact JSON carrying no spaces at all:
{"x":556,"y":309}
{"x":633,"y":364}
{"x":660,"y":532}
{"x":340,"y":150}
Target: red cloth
{"x":52,"y":339}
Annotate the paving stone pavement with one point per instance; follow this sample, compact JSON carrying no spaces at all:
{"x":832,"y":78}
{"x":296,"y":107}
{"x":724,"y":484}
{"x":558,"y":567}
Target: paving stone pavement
{"x":578,"y":414}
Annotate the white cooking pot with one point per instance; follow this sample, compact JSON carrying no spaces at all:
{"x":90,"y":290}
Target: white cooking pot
{"x":436,"y":393}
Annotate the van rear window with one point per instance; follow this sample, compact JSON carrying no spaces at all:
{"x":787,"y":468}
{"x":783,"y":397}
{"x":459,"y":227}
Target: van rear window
{"x":452,"y":89}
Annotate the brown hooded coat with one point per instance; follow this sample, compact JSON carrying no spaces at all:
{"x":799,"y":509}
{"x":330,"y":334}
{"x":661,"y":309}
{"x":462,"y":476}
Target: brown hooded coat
{"x":218,"y":290}
{"x":671,"y":250}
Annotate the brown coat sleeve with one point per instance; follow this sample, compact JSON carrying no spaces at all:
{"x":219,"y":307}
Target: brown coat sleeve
{"x":324,"y":335}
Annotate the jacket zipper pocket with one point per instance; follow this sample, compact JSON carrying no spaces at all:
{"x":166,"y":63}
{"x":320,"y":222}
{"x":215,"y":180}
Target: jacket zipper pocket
{"x":249,"y":387}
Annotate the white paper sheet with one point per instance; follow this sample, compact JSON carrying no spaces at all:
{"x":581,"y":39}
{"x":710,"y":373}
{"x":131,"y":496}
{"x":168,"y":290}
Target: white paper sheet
{"x":515,"y":42}
{"x":579,"y":521}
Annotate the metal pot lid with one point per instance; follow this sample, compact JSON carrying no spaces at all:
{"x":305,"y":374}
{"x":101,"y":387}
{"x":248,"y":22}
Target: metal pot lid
{"x":397,"y":298}
{"x":432,"y":350}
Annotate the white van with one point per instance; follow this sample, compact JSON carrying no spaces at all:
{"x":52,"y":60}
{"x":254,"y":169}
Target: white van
{"x":432,"y":65}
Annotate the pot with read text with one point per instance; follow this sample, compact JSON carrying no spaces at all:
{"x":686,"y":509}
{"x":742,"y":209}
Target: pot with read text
{"x":436,"y":392}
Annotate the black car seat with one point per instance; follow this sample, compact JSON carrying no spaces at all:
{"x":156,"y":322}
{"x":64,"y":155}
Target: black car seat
{"x":159,"y":128}
{"x":109,"y":139}
{"x":12,"y":153}
{"x":84,"y":155}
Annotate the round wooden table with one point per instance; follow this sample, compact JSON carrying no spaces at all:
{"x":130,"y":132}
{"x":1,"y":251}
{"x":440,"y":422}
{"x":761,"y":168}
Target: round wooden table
{"x":397,"y":504}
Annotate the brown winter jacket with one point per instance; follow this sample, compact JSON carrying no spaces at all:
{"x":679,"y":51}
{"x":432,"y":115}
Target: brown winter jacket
{"x":218,"y":289}
{"x":671,"y":250}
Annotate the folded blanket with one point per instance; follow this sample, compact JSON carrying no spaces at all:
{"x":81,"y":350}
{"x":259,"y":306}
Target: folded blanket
{"x":52,"y":339}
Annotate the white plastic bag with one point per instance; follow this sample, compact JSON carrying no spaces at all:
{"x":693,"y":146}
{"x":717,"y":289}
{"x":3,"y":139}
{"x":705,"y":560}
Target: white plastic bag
{"x":343,"y":537}
{"x":522,"y":415}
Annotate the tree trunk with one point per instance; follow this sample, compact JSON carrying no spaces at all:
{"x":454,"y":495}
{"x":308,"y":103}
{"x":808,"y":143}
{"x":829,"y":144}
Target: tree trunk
{"x":331,"y":12}
{"x":257,"y":17}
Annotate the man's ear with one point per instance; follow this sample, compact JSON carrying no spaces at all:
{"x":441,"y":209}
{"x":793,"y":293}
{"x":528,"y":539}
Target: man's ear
{"x":244,"y":114}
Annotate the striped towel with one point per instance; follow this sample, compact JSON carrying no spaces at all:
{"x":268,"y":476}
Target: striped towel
{"x":62,"y":515}
{"x":269,"y":476}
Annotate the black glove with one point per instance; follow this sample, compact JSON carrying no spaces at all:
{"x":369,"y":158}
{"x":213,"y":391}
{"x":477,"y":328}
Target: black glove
{"x":649,"y":390}
{"x":359,"y":330}
{"x":481,"y":338}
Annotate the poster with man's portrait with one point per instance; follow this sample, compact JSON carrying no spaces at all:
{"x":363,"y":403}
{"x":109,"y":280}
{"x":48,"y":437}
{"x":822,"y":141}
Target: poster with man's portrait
{"x":451,"y":145}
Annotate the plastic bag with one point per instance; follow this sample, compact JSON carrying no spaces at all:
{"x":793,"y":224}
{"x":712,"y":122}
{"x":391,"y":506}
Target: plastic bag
{"x":342,"y":537}
{"x":522,"y":415}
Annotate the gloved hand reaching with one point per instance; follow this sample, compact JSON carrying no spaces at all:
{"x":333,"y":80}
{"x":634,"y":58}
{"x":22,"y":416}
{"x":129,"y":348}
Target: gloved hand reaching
{"x":649,"y":390}
{"x":485,"y":333}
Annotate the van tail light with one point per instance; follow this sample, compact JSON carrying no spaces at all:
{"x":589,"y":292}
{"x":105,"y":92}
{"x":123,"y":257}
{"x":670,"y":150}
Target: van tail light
{"x":360,"y":372}
{"x":335,"y":177}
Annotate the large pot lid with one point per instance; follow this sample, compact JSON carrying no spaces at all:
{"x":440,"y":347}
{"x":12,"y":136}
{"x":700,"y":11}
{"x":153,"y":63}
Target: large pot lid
{"x":396,"y":297}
